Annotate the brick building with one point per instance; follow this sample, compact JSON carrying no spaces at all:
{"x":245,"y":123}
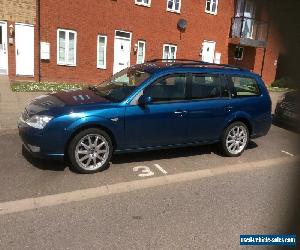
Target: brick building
{"x":86,"y":41}
{"x":17,"y":24}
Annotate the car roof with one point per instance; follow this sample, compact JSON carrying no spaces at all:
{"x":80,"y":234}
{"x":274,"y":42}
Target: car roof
{"x":156,"y":65}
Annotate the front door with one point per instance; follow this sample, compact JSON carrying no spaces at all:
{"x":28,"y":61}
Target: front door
{"x":122,"y":51}
{"x":208,"y":51}
{"x":3,"y":49}
{"x":24,"y":35}
{"x":163,"y":122}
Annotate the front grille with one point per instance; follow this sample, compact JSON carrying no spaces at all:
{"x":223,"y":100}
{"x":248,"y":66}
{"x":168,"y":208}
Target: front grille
{"x":289,"y":106}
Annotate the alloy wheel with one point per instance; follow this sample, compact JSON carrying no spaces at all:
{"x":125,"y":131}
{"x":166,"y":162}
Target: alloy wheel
{"x":236,"y":139}
{"x":92,"y":151}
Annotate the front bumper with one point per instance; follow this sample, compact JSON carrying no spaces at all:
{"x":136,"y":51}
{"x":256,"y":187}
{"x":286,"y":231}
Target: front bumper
{"x":286,"y":116}
{"x":40,"y":143}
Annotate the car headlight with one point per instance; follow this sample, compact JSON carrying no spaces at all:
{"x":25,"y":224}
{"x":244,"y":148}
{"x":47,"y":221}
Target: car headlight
{"x":38,"y":121}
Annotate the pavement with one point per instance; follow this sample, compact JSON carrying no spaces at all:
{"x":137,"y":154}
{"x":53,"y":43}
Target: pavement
{"x":12,"y":104}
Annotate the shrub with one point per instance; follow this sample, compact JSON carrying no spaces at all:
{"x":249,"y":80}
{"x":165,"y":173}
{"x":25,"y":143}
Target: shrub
{"x":285,"y":82}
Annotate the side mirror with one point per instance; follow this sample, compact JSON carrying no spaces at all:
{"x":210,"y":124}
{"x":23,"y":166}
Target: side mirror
{"x":144,"y":100}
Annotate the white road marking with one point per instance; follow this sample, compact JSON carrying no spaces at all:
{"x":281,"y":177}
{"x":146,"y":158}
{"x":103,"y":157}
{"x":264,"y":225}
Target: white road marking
{"x":160,"y":169}
{"x":287,"y":153}
{"x":124,"y":187}
{"x":146,"y":172}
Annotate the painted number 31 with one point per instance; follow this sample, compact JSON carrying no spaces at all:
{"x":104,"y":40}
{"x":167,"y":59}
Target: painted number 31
{"x":146,"y":171}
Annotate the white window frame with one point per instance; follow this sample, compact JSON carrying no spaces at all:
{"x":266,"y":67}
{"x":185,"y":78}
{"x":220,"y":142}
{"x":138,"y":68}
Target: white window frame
{"x":173,"y":10}
{"x":143,"y":4}
{"x":169,"y":45}
{"x":137,"y":53}
{"x":210,"y":11}
{"x":105,"y":49}
{"x":66,"y":63}
{"x":241,"y":58}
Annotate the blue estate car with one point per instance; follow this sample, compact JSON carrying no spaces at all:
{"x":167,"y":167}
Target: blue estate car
{"x":149,"y":106}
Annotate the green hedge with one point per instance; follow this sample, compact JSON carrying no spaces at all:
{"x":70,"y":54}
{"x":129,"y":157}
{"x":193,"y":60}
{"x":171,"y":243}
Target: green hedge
{"x":285,"y":83}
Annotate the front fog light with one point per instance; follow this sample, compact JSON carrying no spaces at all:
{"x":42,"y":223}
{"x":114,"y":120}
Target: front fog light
{"x":34,"y":149}
{"x":38,"y":121}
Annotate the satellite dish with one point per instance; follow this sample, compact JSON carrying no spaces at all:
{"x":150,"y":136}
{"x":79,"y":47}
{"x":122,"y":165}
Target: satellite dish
{"x":182,"y":24}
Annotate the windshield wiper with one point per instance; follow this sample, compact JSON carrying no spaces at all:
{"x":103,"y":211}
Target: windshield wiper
{"x":98,"y":92}
{"x":93,"y":88}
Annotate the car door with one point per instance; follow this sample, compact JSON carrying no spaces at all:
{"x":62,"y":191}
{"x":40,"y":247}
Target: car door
{"x":163,"y":121}
{"x":208,"y":107}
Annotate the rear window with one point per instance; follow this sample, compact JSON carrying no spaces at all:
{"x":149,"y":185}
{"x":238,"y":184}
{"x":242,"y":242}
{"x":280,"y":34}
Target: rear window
{"x":244,"y":86}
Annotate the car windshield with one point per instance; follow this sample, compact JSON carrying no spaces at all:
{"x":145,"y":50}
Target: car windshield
{"x":122,"y":84}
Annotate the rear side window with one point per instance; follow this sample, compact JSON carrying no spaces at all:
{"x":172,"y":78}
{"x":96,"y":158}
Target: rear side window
{"x":205,"y":86}
{"x":244,"y":86}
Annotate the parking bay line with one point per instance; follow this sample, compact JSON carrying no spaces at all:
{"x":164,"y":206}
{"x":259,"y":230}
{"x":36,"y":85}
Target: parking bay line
{"x":124,"y":187}
{"x":287,"y":153}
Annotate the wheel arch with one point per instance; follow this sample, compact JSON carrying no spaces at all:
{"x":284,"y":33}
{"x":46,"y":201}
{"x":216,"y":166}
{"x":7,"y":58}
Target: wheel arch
{"x":243,"y":120}
{"x":87,"y":126}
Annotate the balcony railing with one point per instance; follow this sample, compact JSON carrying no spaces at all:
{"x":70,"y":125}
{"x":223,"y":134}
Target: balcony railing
{"x":249,"y":32}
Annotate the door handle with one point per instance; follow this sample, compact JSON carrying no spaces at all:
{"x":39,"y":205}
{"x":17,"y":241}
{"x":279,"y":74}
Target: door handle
{"x":17,"y":52}
{"x":228,"y":108}
{"x":180,"y":112}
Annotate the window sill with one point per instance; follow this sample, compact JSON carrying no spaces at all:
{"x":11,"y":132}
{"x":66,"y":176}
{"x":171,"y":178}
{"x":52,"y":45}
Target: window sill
{"x":211,"y":13}
{"x":101,"y":67}
{"x":143,"y":5}
{"x":67,"y":65}
{"x":174,"y":11}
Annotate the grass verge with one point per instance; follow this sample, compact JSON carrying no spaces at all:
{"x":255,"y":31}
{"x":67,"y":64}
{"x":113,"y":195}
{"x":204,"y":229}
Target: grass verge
{"x":277,"y":89}
{"x":26,"y":86}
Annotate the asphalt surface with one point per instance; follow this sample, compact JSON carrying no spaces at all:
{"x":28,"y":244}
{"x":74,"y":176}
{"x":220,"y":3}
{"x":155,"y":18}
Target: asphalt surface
{"x":22,"y":177}
{"x":209,"y":213}
{"x":206,"y":213}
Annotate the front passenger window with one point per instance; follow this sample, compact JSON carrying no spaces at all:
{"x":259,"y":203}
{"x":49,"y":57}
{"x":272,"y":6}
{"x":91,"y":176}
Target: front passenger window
{"x":170,"y":88}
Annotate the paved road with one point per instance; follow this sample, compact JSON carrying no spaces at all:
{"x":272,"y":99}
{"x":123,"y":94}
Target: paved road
{"x":191,"y":197}
{"x":208,"y":213}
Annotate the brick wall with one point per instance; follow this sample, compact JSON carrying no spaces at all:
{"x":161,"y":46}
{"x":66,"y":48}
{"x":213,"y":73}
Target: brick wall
{"x":18,"y":11}
{"x":154,"y":25}
{"x":22,"y":11}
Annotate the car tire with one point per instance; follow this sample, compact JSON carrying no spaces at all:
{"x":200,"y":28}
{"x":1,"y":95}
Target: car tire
{"x":90,"y":151}
{"x":235,"y":139}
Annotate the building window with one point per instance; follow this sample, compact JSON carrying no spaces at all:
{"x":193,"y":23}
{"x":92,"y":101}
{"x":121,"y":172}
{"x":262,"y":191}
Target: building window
{"x":239,"y":53}
{"x":101,"y":52}
{"x":143,"y":2}
{"x":169,"y":52}
{"x":174,"y":5}
{"x":141,"y":52}
{"x":211,"y":7}
{"x":66,"y":47}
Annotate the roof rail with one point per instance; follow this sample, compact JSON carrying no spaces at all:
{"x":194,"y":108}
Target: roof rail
{"x":174,"y":60}
{"x":188,"y":62}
